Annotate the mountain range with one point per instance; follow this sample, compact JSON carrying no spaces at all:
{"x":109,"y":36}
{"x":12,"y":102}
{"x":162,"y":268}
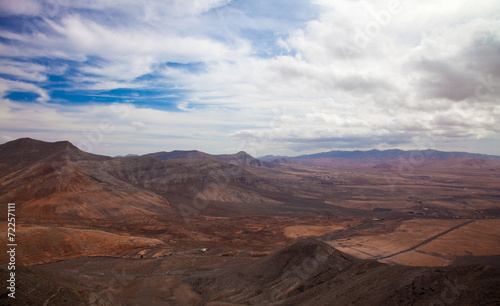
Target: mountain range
{"x":385,"y":156}
{"x":393,"y":156}
{"x":58,"y":179}
{"x":191,"y":228}
{"x":241,"y":158}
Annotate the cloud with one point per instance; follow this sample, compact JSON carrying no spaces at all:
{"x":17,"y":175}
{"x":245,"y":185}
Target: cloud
{"x":155,"y":9}
{"x":422,"y":84}
{"x":25,"y":71}
{"x":309,"y":75}
{"x":139,"y":125}
{"x":454,"y":61}
{"x":19,"y":7}
{"x":7,"y":86}
{"x":124,"y":127}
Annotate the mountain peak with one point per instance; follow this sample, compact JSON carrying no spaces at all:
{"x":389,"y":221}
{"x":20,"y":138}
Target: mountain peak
{"x":180,"y":154}
{"x":24,"y":151}
{"x":241,"y":158}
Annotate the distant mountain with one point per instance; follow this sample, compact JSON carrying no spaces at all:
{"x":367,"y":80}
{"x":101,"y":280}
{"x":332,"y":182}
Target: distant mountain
{"x":387,"y":156}
{"x":281,"y":160}
{"x":271,"y":157}
{"x":127,"y":156}
{"x":177,"y":154}
{"x":395,"y":153}
{"x":241,"y":158}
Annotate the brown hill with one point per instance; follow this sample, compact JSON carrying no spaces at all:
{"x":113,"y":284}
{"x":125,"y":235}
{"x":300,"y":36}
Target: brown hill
{"x":204,"y":179}
{"x":33,"y":288}
{"x":20,"y":153}
{"x":311,"y":272}
{"x":241,"y":158}
{"x":464,"y":164}
{"x":74,"y":197}
{"x":50,"y":180}
{"x":57,"y":180}
{"x":181,"y":155}
{"x":277,"y":275}
{"x":42,"y":244}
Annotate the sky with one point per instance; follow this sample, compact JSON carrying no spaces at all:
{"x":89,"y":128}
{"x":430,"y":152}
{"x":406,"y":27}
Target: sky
{"x":280,"y":77}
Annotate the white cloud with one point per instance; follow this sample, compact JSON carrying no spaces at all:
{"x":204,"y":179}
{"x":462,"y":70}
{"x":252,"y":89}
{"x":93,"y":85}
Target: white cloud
{"x":7,"y":86}
{"x":150,"y":10}
{"x":360,"y":73}
{"x":19,"y":7}
{"x":139,"y":125}
{"x":24,"y":71}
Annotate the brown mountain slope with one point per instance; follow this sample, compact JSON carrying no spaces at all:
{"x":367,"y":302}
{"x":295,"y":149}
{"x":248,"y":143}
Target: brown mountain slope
{"x":65,"y":197}
{"x":20,"y":153}
{"x":34,"y":288}
{"x":48,"y":180}
{"x":275,"y":276}
{"x":205,"y":179}
{"x":181,"y":155}
{"x":463,"y":164}
{"x":241,"y":158}
{"x":57,"y":180}
{"x":311,"y":272}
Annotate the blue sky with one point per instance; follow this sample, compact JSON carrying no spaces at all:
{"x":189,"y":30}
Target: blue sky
{"x":267,"y":77}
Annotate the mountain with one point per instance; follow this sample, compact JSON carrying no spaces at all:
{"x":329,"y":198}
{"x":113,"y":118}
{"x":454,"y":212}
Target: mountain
{"x":388,"y":155}
{"x":21,"y":153}
{"x":57,"y":180}
{"x":224,"y":230}
{"x":127,"y":156}
{"x":76,"y":204}
{"x":311,"y":272}
{"x":180,"y":155}
{"x":393,"y":156}
{"x":241,"y":158}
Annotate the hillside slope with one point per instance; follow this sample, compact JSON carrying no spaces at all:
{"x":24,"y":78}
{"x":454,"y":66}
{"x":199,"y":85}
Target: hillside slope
{"x":57,"y":180}
{"x":241,"y":158}
{"x":311,"y":272}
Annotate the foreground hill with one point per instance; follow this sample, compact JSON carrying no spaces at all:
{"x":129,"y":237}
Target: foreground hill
{"x":308,"y":272}
{"x":311,"y":272}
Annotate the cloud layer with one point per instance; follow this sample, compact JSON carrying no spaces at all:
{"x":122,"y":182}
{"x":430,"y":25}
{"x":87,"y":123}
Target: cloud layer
{"x":270,"y":77}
